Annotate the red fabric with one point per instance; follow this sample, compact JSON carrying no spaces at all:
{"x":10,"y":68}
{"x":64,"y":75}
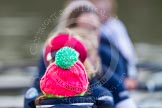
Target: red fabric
{"x":62,"y":40}
{"x":64,"y":82}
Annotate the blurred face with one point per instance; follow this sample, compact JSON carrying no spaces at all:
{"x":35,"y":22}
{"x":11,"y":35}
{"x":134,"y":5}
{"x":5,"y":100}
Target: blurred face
{"x":104,"y":8}
{"x":89,"y":21}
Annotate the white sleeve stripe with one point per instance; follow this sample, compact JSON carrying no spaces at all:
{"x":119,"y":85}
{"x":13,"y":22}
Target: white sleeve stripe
{"x":105,"y":98}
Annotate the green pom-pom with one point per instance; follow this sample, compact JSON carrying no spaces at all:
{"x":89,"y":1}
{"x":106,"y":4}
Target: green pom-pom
{"x":66,"y":57}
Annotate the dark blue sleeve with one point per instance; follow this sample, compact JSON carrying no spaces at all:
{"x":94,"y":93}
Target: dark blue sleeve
{"x":34,"y":91}
{"x":116,"y":86}
{"x":111,"y":57}
{"x":41,"y":71}
{"x":41,"y":67}
{"x":124,"y":65}
{"x":103,"y":97}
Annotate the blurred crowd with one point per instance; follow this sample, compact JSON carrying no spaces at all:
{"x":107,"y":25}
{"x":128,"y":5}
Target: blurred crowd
{"x":104,"y":67}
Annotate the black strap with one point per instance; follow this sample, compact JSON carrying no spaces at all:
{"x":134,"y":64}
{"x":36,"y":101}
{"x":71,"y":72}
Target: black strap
{"x":32,"y":104}
{"x":68,"y":100}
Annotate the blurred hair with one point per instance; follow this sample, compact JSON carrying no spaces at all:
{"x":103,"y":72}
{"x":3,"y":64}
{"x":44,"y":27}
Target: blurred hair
{"x":73,"y":10}
{"x":68,"y":20}
{"x":90,"y":42}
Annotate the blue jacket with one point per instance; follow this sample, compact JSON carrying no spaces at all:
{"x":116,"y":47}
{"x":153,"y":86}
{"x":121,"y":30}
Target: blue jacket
{"x":111,"y":57}
{"x":70,"y":102}
{"x":98,"y":96}
{"x":114,"y":68}
{"x":114,"y":80}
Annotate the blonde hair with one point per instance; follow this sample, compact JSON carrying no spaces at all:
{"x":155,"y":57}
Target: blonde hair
{"x":84,"y":36}
{"x":73,"y":10}
{"x":90,"y":42}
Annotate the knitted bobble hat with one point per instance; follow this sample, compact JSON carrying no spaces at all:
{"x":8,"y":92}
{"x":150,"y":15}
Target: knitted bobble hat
{"x":66,"y":76}
{"x":62,"y":40}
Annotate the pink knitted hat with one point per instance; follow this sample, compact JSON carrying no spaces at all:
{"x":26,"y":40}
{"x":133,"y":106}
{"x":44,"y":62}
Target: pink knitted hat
{"x":66,"y":76}
{"x":62,"y":40}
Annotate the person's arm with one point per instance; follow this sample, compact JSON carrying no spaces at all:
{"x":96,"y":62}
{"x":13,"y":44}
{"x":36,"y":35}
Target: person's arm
{"x":34,"y":91}
{"x":102,"y":95}
{"x":41,"y":71}
{"x":125,"y":46}
{"x":121,"y":96}
{"x":111,"y":57}
{"x":116,"y":86}
{"x":115,"y":31}
{"x":41,"y":67}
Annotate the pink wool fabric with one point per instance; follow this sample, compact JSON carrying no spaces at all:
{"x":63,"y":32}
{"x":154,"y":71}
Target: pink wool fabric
{"x":61,"y":40}
{"x":64,"y":82}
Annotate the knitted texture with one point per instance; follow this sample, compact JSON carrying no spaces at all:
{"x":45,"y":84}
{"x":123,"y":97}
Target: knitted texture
{"x":66,"y":57}
{"x":62,"y":40}
{"x":61,"y":82}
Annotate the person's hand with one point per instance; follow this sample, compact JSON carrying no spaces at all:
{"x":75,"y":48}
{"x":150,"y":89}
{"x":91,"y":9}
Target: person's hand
{"x":130,"y":83}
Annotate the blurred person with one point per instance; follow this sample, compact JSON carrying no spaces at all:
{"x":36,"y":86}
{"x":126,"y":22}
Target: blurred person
{"x":75,"y":22}
{"x":115,"y":31}
{"x":83,"y":19}
{"x":108,"y":79}
{"x":59,"y":82}
{"x":61,"y":39}
{"x":99,"y":94}
{"x":71,"y":40}
{"x":74,"y":67}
